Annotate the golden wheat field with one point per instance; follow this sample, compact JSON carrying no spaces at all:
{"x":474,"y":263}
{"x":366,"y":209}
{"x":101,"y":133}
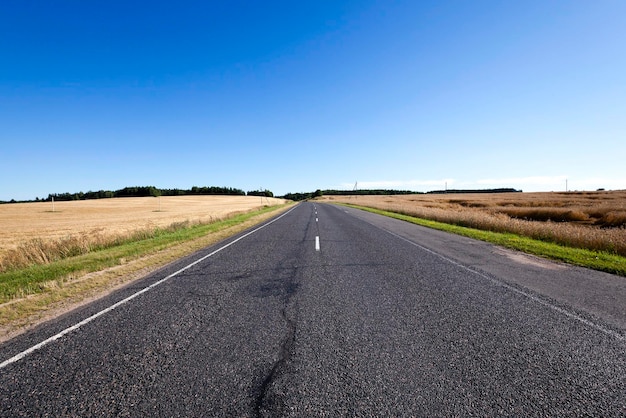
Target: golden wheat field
{"x":592,"y":220}
{"x":102,"y":219}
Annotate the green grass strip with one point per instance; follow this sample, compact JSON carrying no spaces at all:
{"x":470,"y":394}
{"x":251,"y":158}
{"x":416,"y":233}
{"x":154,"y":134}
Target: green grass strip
{"x":597,"y":260}
{"x":31,"y":280}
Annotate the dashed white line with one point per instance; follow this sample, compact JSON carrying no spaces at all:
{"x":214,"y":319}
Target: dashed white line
{"x":317,"y":243}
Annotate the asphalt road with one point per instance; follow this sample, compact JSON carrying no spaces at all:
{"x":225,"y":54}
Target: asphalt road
{"x":329,"y":311}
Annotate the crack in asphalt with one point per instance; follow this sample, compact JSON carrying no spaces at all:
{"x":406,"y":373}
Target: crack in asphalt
{"x":268,"y":400}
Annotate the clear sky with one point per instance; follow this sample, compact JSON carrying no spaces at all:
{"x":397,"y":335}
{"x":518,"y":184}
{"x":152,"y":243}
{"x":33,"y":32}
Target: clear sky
{"x":299,"y":95}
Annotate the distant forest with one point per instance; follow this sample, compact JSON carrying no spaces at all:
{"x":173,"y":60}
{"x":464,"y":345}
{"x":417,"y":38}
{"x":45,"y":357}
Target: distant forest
{"x":143,"y":191}
{"x":370,"y":192}
{"x":502,"y":190}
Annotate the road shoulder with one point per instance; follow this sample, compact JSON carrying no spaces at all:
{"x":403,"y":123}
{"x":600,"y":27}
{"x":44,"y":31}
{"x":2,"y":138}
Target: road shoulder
{"x":601,"y":295}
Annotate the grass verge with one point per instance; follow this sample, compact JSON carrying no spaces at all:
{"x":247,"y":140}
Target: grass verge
{"x":597,"y":260}
{"x":40,"y":292}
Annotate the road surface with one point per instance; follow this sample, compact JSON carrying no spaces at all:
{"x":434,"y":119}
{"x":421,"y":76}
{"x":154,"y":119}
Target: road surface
{"x":330,"y":311}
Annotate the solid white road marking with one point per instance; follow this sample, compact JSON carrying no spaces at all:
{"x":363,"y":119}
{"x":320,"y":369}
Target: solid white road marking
{"x":317,"y":243}
{"x":36,"y":347}
{"x":530,"y":296}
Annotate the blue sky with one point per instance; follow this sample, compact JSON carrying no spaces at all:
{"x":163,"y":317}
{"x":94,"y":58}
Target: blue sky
{"x":296,"y":96}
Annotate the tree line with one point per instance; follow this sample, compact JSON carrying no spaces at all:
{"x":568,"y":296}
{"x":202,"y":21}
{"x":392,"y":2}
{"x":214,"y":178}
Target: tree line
{"x":500,"y":190}
{"x":262,"y":193}
{"x":371,"y":192}
{"x":362,"y":192}
{"x":145,"y":191}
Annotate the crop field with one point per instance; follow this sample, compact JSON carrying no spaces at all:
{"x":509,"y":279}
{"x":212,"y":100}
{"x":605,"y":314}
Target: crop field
{"x":589,"y":220}
{"x":35,"y":232}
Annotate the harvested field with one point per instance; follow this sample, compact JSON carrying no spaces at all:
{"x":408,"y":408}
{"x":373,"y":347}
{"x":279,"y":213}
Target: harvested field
{"x":591,"y":220}
{"x":84,"y":224}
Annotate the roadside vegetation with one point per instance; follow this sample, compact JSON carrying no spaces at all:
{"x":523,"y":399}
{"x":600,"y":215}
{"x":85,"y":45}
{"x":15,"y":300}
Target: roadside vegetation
{"x":582,"y":228}
{"x":39,"y":265}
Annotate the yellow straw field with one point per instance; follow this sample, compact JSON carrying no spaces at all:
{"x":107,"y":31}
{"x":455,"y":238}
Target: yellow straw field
{"x":90,"y":222}
{"x":591,"y":220}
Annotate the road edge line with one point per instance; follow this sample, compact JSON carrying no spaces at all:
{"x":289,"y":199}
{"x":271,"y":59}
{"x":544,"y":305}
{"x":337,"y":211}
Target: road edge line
{"x":116,"y":305}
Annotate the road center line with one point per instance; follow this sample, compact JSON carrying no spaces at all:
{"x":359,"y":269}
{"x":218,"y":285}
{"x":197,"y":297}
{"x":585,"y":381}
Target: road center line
{"x":74,"y":327}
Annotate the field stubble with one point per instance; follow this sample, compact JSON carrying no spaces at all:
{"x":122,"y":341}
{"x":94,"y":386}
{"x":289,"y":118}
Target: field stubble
{"x":27,"y":299}
{"x":589,"y":220}
{"x":34,"y":233}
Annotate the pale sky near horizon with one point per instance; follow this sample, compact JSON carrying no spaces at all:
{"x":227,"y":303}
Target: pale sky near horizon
{"x":299,"y":96}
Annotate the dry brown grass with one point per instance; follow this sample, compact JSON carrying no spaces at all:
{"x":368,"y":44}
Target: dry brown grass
{"x":31,"y":233}
{"x":591,"y":220}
